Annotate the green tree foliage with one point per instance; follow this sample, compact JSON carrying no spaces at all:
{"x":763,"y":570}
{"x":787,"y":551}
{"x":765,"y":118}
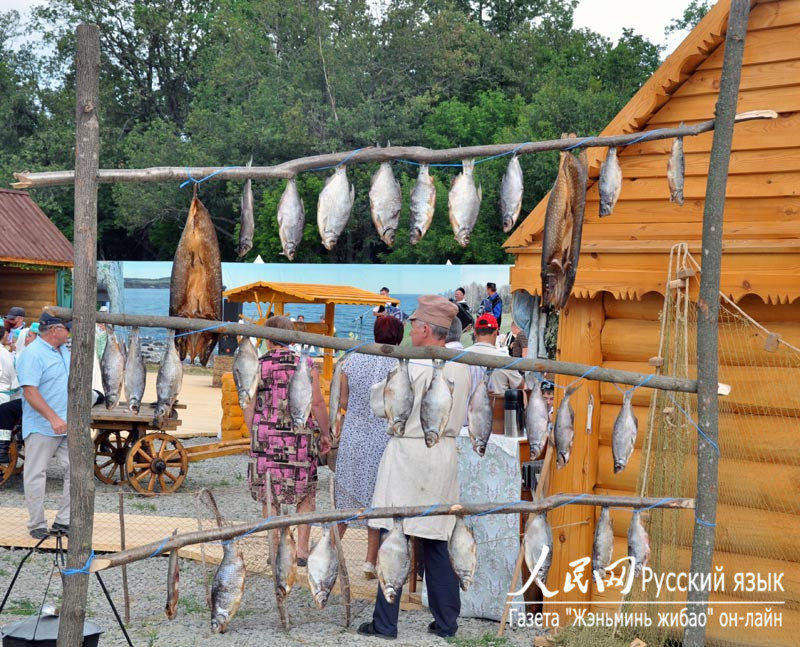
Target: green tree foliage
{"x":693,"y":14}
{"x":212,"y":82}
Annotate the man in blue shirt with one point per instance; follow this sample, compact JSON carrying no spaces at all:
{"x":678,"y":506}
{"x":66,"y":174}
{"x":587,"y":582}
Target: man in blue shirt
{"x":43,"y":373}
{"x":492,"y":304}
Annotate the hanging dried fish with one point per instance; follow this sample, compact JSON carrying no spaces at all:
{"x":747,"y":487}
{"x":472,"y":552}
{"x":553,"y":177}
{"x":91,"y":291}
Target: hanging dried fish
{"x":335,"y":396}
{"x":480,"y":415}
{"x":638,"y":543}
{"x":135,"y":372}
{"x":434,"y":410}
{"x":610,"y":182}
{"x":247,"y":225}
{"x":394,"y":562}
{"x":537,"y":417}
{"x":173,"y":577}
{"x":323,"y":568}
{"x":112,"y":369}
{"x":603,"y":546}
{"x":285,"y":563}
{"x":463,"y":553}
{"x":623,"y":437}
{"x":464,"y":203}
{"x":385,"y":201}
{"x":398,"y":397}
{"x":538,"y":540}
{"x":245,"y":371}
{"x":301,"y":391}
{"x":676,"y":168}
{"x":511,"y":194}
{"x":334,"y":206}
{"x":423,"y":204}
{"x":564,"y":429}
{"x":291,"y":219}
{"x":563,"y":225}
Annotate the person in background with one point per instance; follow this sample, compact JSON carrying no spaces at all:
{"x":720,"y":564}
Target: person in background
{"x":486,"y":328}
{"x":100,"y":336}
{"x":301,"y":319}
{"x":363,"y":435}
{"x":410,"y":473}
{"x":547,"y":392}
{"x":16,"y":332}
{"x":453,"y":339}
{"x":281,"y":454}
{"x":9,"y":390}
{"x":492,"y":304}
{"x":43,"y":373}
{"x":464,"y":315}
{"x":377,"y":311}
{"x":517,"y":341}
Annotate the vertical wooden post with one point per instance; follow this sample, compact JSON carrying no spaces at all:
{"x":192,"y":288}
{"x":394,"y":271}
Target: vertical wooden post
{"x":708,"y":313}
{"x":125,"y":593}
{"x":580,"y":326}
{"x":81,"y":451}
{"x":327,"y":362}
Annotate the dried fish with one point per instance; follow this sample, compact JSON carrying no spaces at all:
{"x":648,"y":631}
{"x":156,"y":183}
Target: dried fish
{"x":538,"y":542}
{"x":168,"y":381}
{"x":464,"y":203}
{"x":676,"y":168}
{"x":638,"y":543}
{"x":245,"y":371}
{"x":423,"y":204}
{"x":323,"y":567}
{"x":135,"y":372}
{"x":434,"y":410}
{"x":334,"y":206}
{"x":480,"y":415}
{"x":385,"y":201}
{"x":291,"y":219}
{"x":564,"y":429}
{"x":336,"y":394}
{"x":463,"y":552}
{"x":285,"y":563}
{"x":173,"y":577}
{"x":227,"y":588}
{"x":398,"y":397}
{"x":394,"y":562}
{"x":537,"y":417}
{"x":300,"y":391}
{"x":610,"y":182}
{"x":511,"y":194}
{"x":247,"y":224}
{"x":623,"y":437}
{"x":112,"y":369}
{"x":603,"y":546}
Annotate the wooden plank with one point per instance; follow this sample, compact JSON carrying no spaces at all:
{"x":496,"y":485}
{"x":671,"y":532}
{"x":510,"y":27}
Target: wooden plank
{"x":738,"y":235}
{"x":765,"y":313}
{"x":646,"y":309}
{"x":580,"y":324}
{"x":762,"y":46}
{"x":754,"y":77}
{"x":742,"y":163}
{"x":768,"y":15}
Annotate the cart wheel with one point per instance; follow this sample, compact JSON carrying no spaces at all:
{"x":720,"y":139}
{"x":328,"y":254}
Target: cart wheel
{"x":16,"y":459}
{"x":110,"y":450}
{"x":156,"y":463}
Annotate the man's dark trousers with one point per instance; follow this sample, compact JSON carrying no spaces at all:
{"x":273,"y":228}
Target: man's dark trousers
{"x":444,"y":598}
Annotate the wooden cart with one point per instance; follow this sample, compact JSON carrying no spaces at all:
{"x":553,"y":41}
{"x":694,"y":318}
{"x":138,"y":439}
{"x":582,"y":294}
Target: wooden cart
{"x":16,"y":457}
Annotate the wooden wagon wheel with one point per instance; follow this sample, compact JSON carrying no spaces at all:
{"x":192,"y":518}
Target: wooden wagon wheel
{"x":110,"y":451}
{"x":156,"y":463}
{"x":16,"y":459}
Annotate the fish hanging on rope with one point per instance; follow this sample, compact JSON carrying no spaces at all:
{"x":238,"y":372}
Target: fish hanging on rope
{"x":135,"y":372}
{"x":563,"y":226}
{"x":245,"y":371}
{"x":291,"y":219}
{"x":610,"y":182}
{"x":434,"y":409}
{"x":423,"y":204}
{"x":335,"y":396}
{"x":247,"y":224}
{"x":676,"y":169}
{"x":564,"y":428}
{"x":537,"y":417}
{"x":195,"y":288}
{"x":623,"y":437}
{"x":385,"y":202}
{"x":334,"y":206}
{"x":168,"y":382}
{"x":112,"y":369}
{"x":301,"y":391}
{"x":538,"y":541}
{"x":638,"y":543}
{"x":398,"y":397}
{"x":603,"y":545}
{"x":323,"y":568}
{"x":511,"y":194}
{"x":464,"y":203}
{"x":480,"y":415}
{"x":394,"y":562}
{"x":463,"y":553}
{"x":285,"y":563}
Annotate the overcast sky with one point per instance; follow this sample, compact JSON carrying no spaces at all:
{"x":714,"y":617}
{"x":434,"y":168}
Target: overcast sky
{"x":608,"y":17}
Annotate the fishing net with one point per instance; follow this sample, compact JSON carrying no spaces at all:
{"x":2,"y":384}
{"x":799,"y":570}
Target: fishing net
{"x":759,"y":427}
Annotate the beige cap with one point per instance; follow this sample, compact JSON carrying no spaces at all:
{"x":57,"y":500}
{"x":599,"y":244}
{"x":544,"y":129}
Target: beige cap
{"x":436,"y":310}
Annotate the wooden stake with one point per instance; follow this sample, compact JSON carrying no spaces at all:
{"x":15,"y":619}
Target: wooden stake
{"x":369,"y":154}
{"x":344,"y":576}
{"x":81,"y":450}
{"x":125,"y":594}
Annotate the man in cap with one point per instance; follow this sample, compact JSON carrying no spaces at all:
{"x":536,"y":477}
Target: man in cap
{"x":16,"y":331}
{"x":43,"y":373}
{"x":410,"y":473}
{"x":486,"y":329}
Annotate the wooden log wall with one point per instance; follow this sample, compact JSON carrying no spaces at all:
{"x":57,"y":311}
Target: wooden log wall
{"x":28,"y":289}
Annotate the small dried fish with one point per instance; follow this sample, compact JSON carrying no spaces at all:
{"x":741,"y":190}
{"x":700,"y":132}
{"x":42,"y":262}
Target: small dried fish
{"x":676,"y":168}
{"x":323,"y":567}
{"x":291,"y":219}
{"x":385,"y":201}
{"x":398,"y":397}
{"x":638,"y":543}
{"x":168,"y":381}
{"x":135,"y":372}
{"x":564,"y":429}
{"x":336,"y":394}
{"x":463,"y":552}
{"x":227,"y":588}
{"x":245,"y":371}
{"x":423,"y":204}
{"x":623,"y":437}
{"x":434,"y":410}
{"x":300,"y":391}
{"x":285,"y":563}
{"x":112,"y":370}
{"x":464,"y":203}
{"x":537,"y":418}
{"x":511,"y":194}
{"x":173,"y":577}
{"x":394,"y":562}
{"x":603,"y":546}
{"x":610,"y":182}
{"x":480,"y":415}
{"x":247,"y":225}
{"x":538,"y":541}
{"x":334,"y":206}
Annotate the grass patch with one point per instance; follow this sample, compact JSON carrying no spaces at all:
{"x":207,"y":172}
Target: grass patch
{"x":152,"y":637}
{"x":144,"y":506}
{"x":23,"y":607}
{"x":487,"y":640}
{"x":589,"y":637}
{"x":191,"y":605}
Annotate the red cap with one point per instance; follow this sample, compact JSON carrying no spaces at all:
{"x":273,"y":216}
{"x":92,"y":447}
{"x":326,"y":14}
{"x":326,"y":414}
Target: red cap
{"x":487,"y":321}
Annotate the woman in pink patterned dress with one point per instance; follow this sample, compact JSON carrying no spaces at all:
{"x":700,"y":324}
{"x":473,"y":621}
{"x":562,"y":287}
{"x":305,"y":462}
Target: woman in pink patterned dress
{"x":288,"y":454}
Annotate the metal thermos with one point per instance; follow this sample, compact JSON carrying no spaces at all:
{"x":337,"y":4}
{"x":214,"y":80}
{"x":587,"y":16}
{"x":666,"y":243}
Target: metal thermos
{"x":514,"y":413}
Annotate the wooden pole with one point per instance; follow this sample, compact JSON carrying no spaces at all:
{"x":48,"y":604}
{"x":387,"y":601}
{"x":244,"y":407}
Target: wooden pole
{"x":81,"y":450}
{"x":125,"y":594}
{"x":598,"y":373}
{"x":370,"y":154}
{"x":229,"y":532}
{"x":708,"y":317}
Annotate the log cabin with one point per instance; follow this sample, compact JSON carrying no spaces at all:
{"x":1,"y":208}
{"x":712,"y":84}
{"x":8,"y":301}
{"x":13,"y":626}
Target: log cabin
{"x":612,"y":318}
{"x":35,"y":257}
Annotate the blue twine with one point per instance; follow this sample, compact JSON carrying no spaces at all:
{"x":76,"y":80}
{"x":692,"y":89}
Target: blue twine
{"x":644,"y":136}
{"x":707,"y":524}
{"x":500,"y":507}
{"x":159,"y":549}
{"x":578,"y":144}
{"x":192,"y":332}
{"x":83,"y":569}
{"x":510,"y":364}
{"x":344,"y":161}
{"x":642,"y":383}
{"x":249,"y":532}
{"x":573,"y":500}
{"x":694,"y":424}
{"x":353,"y":518}
{"x":459,"y":356}
{"x":657,"y":503}
{"x":350,"y":350}
{"x":412,"y":162}
{"x":430,"y":509}
{"x":191,"y":179}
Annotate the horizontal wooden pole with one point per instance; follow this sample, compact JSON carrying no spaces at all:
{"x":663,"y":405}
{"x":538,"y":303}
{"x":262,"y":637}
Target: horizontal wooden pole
{"x":664,"y":382}
{"x":460,"y":509}
{"x":291,"y":168}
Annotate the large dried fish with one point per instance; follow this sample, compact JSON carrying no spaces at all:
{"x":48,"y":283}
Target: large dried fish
{"x":480,"y":415}
{"x":385,"y":201}
{"x":135,"y":372}
{"x":464,"y":203}
{"x":335,"y":396}
{"x":638,"y":543}
{"x":463,"y":553}
{"x":291,"y":219}
{"x":173,"y":577}
{"x":603,"y":546}
{"x":227,"y":588}
{"x":511,"y":194}
{"x":564,"y":429}
{"x":563,"y":226}
{"x":285,"y":563}
{"x":537,"y":418}
{"x":333,"y":206}
{"x":394,"y":562}
{"x":610,"y":182}
{"x":300,"y":391}
{"x":538,"y":541}
{"x":195,"y":288}
{"x":112,"y":369}
{"x":434,"y":409}
{"x":323,"y":567}
{"x":676,"y":168}
{"x":398,"y":397}
{"x":247,"y":224}
{"x":623,"y":436}
{"x":245,"y":371}
{"x":423,"y":204}
{"x":168,"y":381}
